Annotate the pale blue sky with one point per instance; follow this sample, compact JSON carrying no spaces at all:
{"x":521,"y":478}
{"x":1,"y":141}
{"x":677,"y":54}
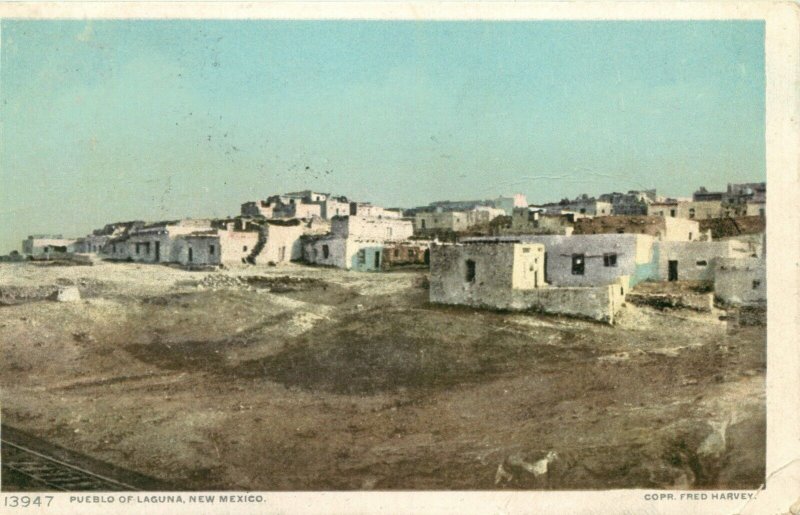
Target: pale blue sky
{"x":114,"y":120}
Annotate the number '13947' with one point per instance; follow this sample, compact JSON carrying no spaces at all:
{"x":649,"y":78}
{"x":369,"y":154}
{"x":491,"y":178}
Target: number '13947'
{"x":25,"y":501}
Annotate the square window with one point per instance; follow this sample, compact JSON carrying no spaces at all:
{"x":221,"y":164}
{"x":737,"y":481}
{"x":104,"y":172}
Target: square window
{"x":756,"y":284}
{"x":610,"y":259}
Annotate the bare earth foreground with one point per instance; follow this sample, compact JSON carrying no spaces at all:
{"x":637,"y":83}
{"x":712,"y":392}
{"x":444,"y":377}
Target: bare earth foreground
{"x":296,"y":378}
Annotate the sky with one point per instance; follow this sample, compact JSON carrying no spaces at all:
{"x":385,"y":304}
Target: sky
{"x":104,"y":121}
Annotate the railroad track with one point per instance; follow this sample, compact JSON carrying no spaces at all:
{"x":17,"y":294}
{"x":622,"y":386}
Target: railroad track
{"x":46,"y":472}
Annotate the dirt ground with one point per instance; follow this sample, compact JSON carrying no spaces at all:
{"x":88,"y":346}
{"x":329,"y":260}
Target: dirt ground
{"x":299,"y":378}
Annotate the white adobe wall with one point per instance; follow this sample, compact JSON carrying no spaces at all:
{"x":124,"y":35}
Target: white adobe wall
{"x":333,"y":208}
{"x":120,"y":250}
{"x":681,"y":229}
{"x":752,"y":244}
{"x":499,"y":269}
{"x":691,"y":254}
{"x":148,"y":255}
{"x":166,"y":236}
{"x":236,"y":245}
{"x":493,"y":286}
{"x":631,"y":250}
{"x":740,"y":281}
{"x":493,"y":282}
{"x":379,"y":229}
{"x":201,"y":250}
{"x":282,"y":237}
{"x":337,"y":251}
{"x":373,"y":249}
{"x":528,"y":269}
{"x":449,"y":220}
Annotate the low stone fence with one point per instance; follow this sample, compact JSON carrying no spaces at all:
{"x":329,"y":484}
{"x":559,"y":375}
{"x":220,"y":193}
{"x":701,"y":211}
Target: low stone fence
{"x":695,"y":301}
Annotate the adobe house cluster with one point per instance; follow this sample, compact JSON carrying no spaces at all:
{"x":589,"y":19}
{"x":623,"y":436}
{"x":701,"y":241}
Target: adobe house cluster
{"x":510,"y":275}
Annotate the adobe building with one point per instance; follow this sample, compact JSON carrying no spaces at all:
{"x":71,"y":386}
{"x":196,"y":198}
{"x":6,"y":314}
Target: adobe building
{"x":509,"y":275}
{"x":741,"y":281}
{"x":508,"y":204}
{"x":214,"y":247}
{"x":633,"y":202}
{"x":457,"y":221}
{"x":282,"y":240}
{"x":695,"y":260}
{"x":593,"y":259}
{"x":687,"y":209}
{"x":529,"y":220}
{"x":298,"y":204}
{"x":660,"y":228}
{"x":155,"y":242}
{"x":368,"y":210}
{"x":583,"y":205}
{"x":405,"y":253}
{"x":355,"y":243}
{"x":46,"y":244}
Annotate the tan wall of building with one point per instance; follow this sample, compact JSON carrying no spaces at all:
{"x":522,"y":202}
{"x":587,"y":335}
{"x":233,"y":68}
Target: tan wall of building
{"x":691,"y":210}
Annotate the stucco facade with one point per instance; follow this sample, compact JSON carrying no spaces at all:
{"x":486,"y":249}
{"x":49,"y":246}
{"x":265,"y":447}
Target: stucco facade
{"x":370,"y":228}
{"x":594,"y":259}
{"x":214,"y":247}
{"x":362,"y":255}
{"x":687,"y":209}
{"x":741,"y":281}
{"x":155,"y":243}
{"x":484,"y":272}
{"x":455,"y":220}
{"x":508,"y":275}
{"x":694,"y":260}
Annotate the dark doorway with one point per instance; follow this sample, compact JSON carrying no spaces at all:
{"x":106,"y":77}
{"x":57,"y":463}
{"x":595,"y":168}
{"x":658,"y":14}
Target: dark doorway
{"x":158,"y":251}
{"x":578,"y":264}
{"x":427,"y":256}
{"x":470,"y":275}
{"x":191,"y":256}
{"x":377,"y":260}
{"x":545,"y":267}
{"x":673,"y":270}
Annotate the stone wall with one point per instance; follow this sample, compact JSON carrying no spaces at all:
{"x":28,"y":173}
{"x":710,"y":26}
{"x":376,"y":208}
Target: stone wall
{"x":405,"y":253}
